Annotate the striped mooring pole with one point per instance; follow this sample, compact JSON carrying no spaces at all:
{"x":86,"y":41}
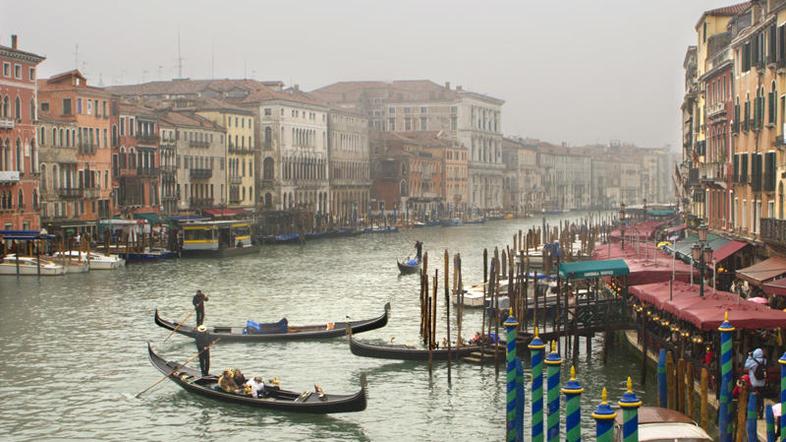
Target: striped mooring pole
{"x":750,"y":421}
{"x":510,"y":329}
{"x":572,"y":391}
{"x":537,"y":347}
{"x":553,"y":362}
{"x":630,"y":414}
{"x":724,"y":411}
{"x":662,"y":386}
{"x":519,"y":400}
{"x":604,"y":419}
{"x":782,"y":363}
{"x":770,"y":419}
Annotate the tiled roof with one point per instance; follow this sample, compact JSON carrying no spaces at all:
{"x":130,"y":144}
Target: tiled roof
{"x":729,"y":10}
{"x":189,"y":119}
{"x":18,"y":53}
{"x":397,"y":91}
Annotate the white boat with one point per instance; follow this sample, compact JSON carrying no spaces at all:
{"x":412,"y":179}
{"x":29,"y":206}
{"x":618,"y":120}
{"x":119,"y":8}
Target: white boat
{"x":473,"y":297}
{"x":98,"y":261}
{"x":29,"y":266}
{"x":661,"y":424}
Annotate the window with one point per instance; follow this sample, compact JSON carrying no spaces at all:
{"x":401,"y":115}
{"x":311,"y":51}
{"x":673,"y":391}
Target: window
{"x":392,"y":110}
{"x":423,"y":123}
{"x":268,"y":112}
{"x":18,"y":109}
{"x":6,"y":69}
{"x":32,"y":74}
{"x":79,"y":105}
{"x":66,"y":106}
{"x":18,"y":71}
{"x":45,"y":106}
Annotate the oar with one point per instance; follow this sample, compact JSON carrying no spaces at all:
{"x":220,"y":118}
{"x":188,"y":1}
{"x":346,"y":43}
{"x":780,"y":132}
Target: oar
{"x":176,"y":369}
{"x":179,"y":324}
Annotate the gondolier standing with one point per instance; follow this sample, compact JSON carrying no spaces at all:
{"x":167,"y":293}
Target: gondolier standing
{"x":203,"y":347}
{"x":199,"y":305}
{"x":418,"y":250}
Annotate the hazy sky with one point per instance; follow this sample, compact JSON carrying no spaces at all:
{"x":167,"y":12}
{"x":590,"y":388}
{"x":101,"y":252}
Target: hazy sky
{"x":580,"y":71}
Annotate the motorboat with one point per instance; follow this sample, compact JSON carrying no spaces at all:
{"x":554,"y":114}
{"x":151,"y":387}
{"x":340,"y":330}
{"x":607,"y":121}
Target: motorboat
{"x":29,"y":266}
{"x":660,"y":424}
{"x":97,"y":260}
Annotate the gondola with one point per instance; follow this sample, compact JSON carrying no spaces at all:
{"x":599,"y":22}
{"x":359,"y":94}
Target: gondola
{"x":405,"y":352}
{"x":192,"y":381}
{"x":277,"y":332}
{"x":408,"y":269}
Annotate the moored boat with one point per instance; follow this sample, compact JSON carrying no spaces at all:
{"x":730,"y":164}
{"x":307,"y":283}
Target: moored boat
{"x":278,"y":331}
{"x":660,"y":424}
{"x":407,"y":352}
{"x":97,"y":260}
{"x":277,"y":399}
{"x":408,"y":267}
{"x":29,"y":266}
{"x":217,"y":239}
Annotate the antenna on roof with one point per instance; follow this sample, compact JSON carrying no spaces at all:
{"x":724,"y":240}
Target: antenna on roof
{"x":179,"y":57}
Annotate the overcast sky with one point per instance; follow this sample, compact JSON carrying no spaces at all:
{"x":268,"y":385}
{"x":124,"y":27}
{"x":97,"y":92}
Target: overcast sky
{"x":579,"y":71}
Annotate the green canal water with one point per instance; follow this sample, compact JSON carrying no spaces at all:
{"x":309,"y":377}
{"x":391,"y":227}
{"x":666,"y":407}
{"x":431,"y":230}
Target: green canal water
{"x":73,"y":350}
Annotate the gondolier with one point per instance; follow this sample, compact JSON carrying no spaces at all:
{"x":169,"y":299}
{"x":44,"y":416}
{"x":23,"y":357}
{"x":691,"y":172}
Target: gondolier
{"x":203,"y":347}
{"x":199,"y":305}
{"x":418,"y":250}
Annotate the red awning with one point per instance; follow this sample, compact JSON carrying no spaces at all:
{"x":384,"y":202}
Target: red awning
{"x":764,"y":271}
{"x":741,"y":316}
{"x":659,"y":268}
{"x":727,"y":250}
{"x":777,"y":287}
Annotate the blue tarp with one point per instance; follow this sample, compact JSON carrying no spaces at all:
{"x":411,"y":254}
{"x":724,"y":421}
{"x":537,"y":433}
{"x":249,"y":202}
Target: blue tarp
{"x":23,"y":235}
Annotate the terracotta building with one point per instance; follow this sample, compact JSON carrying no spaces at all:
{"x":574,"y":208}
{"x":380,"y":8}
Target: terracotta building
{"x":18,"y":147}
{"x":67,"y":98}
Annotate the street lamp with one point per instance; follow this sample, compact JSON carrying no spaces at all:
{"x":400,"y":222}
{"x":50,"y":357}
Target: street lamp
{"x":702,"y":253}
{"x":622,"y":223}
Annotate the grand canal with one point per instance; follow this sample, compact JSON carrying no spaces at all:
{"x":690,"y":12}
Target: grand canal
{"x":73,"y":351}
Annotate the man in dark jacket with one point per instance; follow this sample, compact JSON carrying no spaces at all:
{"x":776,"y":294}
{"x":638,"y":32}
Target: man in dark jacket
{"x":199,"y":305}
{"x":203,"y":347}
{"x":419,"y":250}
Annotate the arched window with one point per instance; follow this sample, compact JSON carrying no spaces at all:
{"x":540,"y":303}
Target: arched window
{"x":268,"y":169}
{"x":32,"y":112}
{"x":35,"y":199}
{"x":268,"y":200}
{"x":55,"y":177}
{"x":20,"y":199}
{"x":771,"y":101}
{"x":19,"y":155}
{"x":18,"y":109}
{"x":5,"y":107}
{"x":44,"y":183}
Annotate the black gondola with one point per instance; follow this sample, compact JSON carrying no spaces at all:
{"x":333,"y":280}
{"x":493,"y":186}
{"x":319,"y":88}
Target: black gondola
{"x":281,"y":400}
{"x":405,"y":352}
{"x":275,"y":333}
{"x":407,"y":269}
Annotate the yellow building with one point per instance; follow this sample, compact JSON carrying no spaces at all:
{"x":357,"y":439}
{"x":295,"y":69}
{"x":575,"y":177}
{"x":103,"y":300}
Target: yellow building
{"x":240,"y":145}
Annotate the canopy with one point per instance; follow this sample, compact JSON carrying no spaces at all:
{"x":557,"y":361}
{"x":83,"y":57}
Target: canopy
{"x":593,"y":269}
{"x":660,"y":268}
{"x":675,"y":229}
{"x":613,"y":250}
{"x":776,"y":287}
{"x":683,"y":301}
{"x":644,"y":230}
{"x":660,"y":212}
{"x":764,"y":271}
{"x":715,"y":242}
{"x":152,"y":218}
{"x":728,"y":249}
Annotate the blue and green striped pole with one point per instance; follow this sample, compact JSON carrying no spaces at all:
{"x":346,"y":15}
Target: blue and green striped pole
{"x":662,"y":386}
{"x":510,"y":356}
{"x":519,"y":400}
{"x":770,"y":419}
{"x":553,"y":362}
{"x":750,"y":421}
{"x":537,"y":347}
{"x":630,"y":414}
{"x":724,"y":416}
{"x":572,"y":391}
{"x":782,"y":363}
{"x":604,"y":417}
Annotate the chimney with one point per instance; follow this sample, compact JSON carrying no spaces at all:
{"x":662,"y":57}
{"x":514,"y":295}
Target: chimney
{"x":14,"y":41}
{"x":447,"y":85}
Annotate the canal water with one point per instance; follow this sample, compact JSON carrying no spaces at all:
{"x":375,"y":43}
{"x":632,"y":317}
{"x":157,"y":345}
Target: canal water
{"x":73,"y":349}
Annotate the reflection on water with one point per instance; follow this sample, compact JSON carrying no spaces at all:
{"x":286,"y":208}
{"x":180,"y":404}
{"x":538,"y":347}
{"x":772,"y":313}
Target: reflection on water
{"x":73,"y":351}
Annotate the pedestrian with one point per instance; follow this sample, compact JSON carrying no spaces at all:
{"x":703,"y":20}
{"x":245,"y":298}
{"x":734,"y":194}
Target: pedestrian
{"x":756,"y":364}
{"x":203,"y":347}
{"x":199,"y":304}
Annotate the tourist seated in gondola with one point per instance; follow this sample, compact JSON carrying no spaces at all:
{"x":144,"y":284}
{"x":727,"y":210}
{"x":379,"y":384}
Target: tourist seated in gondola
{"x":227,"y":382}
{"x":255,"y":387}
{"x":238,"y":377}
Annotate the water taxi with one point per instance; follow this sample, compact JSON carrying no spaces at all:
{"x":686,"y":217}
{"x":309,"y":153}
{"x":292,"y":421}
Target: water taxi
{"x":29,"y":266}
{"x":96,"y":260}
{"x":218,"y":238}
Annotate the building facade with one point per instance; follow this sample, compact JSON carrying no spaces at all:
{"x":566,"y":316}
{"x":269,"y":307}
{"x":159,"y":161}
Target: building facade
{"x":350,"y":165}
{"x":136,"y":159}
{"x":523,"y":192}
{"x":19,"y":168}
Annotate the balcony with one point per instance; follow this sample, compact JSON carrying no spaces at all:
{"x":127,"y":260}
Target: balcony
{"x":148,"y":171}
{"x":235,"y":180}
{"x":234,"y":198}
{"x":128,"y":172}
{"x":201,"y":203}
{"x":91,"y":193}
{"x":9,"y":176}
{"x":7,"y":123}
{"x":200,"y":144}
{"x":168,"y":168}
{"x":715,"y":109}
{"x":200,"y":174}
{"x":70,"y":192}
{"x":87,"y":149}
{"x":147,"y":139}
{"x":773,"y":231}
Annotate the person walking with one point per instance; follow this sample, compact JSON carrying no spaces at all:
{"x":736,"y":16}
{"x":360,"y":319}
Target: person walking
{"x":199,"y":304}
{"x":203,"y":347}
{"x":756,"y":364}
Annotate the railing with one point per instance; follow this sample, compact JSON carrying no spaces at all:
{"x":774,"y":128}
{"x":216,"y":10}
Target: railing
{"x":70,"y":192}
{"x":715,"y":108}
{"x":202,"y":144}
{"x":9,"y":176}
{"x":773,"y":231}
{"x":199,"y":203}
{"x":87,"y":149}
{"x":7,"y":123}
{"x":147,"y":139}
{"x":200,"y":174}
{"x":148,"y":171}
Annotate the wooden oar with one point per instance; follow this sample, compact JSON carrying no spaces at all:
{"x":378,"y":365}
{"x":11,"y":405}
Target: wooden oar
{"x":179,"y":324}
{"x":176,"y":369}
